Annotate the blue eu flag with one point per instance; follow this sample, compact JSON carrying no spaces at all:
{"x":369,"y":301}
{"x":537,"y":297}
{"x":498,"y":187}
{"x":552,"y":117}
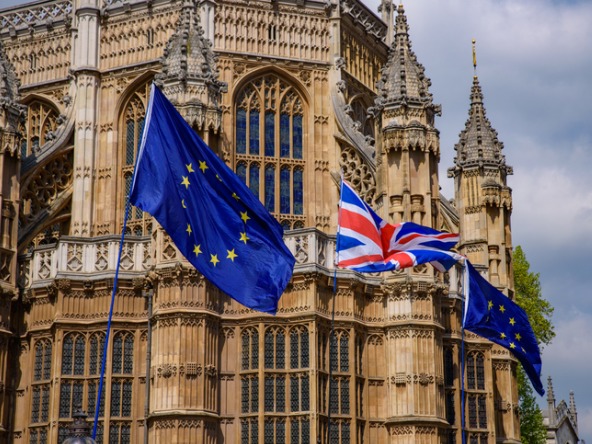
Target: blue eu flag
{"x":491,"y":314}
{"x":211,"y":216}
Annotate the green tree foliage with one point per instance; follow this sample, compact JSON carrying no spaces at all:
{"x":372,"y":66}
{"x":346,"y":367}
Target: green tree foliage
{"x":527,"y":288}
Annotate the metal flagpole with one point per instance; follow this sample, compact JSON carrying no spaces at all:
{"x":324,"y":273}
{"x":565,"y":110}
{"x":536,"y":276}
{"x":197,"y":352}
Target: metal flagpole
{"x":462,"y":357}
{"x":106,"y":345}
{"x":332,"y":333}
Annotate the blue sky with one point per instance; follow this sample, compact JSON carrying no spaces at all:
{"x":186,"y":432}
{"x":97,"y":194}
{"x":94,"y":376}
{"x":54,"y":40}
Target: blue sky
{"x":534,"y":65}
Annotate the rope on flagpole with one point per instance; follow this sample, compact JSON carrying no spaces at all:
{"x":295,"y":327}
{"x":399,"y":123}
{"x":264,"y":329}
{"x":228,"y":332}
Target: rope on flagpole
{"x":106,"y":344}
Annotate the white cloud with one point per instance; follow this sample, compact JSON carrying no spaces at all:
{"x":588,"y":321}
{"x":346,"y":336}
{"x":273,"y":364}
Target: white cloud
{"x":568,"y":362}
{"x":551,"y":199}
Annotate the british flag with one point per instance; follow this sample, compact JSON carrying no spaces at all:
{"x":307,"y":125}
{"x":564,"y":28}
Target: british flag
{"x":367,"y":244}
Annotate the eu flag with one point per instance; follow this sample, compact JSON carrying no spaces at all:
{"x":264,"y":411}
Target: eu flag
{"x":491,"y":314}
{"x":210,"y":214}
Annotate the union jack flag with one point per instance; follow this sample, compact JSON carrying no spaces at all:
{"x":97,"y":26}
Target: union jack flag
{"x":367,"y":244}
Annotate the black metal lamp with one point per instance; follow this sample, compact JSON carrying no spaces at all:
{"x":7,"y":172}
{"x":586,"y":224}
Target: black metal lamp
{"x":79,"y":430}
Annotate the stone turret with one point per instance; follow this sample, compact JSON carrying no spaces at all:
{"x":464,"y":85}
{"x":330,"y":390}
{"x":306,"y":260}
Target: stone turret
{"x":11,"y":118}
{"x":550,"y":401}
{"x":410,"y":147}
{"x":572,"y":410}
{"x":408,"y":155}
{"x":484,"y":204}
{"x":189,"y":74}
{"x":483,"y":199}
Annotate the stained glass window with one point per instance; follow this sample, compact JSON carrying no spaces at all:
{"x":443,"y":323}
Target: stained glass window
{"x":241,"y":131}
{"x":270,"y":134}
{"x":269,"y":110}
{"x":475,"y":371}
{"x":67,"y":352}
{"x":297,"y":136}
{"x":254,"y":179}
{"x":132,"y":125}
{"x":297,"y":188}
{"x":79,"y":349}
{"x":123,"y":353}
{"x":254,"y":132}
{"x":249,"y":431}
{"x":270,"y":188}
{"x":241,"y":171}
{"x":477,"y":411}
{"x":284,"y":135}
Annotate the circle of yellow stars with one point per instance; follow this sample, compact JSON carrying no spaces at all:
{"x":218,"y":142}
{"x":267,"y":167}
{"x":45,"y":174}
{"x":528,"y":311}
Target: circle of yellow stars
{"x":230,"y":254}
{"x":513,"y":343}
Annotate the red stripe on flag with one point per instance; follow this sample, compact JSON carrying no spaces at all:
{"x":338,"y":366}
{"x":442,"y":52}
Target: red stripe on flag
{"x":403,"y":259}
{"x":359,"y":224}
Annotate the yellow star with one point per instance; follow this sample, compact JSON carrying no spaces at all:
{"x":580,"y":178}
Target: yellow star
{"x":512,"y":345}
{"x":183,"y":203}
{"x":185,"y":182}
{"x":214,"y":260}
{"x":512,"y":321}
{"x":235,"y":196}
{"x":490,"y":305}
{"x":197,"y":250}
{"x":189,"y":231}
{"x":502,"y":308}
{"x":503,"y":335}
{"x":244,"y":217}
{"x":231,"y":255}
{"x":518,"y":336}
{"x":244,"y":237}
{"x":190,"y":168}
{"x":202,"y":166}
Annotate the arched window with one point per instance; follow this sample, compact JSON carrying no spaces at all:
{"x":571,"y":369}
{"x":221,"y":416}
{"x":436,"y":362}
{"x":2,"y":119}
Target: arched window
{"x":40,"y":390}
{"x":250,"y":349}
{"x":270,"y":147}
{"x":42,"y":120}
{"x":299,"y":348}
{"x":475,"y":371}
{"x":275,"y":348}
{"x":122,"y":364}
{"x":132,"y":126}
{"x":476,"y":398}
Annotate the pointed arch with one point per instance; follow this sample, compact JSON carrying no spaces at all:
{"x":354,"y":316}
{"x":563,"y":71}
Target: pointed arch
{"x":40,"y":125}
{"x":132,"y":108}
{"x":270,"y":110}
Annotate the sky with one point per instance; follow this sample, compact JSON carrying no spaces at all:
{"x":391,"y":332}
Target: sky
{"x":534,"y":65}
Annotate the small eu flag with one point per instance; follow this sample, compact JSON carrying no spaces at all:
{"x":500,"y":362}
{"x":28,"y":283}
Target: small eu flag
{"x":491,"y":314}
{"x":210,"y":214}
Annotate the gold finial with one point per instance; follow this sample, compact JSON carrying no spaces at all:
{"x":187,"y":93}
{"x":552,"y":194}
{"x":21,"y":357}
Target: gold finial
{"x":474,"y":57}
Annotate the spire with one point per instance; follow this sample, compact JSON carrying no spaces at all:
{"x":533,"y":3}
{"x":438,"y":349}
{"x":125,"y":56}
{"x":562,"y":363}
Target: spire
{"x":478,"y":144}
{"x":403,"y":80}
{"x":550,"y":401}
{"x":11,"y":112}
{"x":189,"y":73}
{"x":572,"y":410}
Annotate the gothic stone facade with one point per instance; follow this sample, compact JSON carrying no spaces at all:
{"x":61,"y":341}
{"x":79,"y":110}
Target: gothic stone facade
{"x":290,"y":93}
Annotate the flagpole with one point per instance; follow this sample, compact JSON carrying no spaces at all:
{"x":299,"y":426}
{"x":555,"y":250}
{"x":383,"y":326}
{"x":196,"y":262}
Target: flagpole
{"x":332,"y":333}
{"x":106,"y":344}
{"x":462,"y":357}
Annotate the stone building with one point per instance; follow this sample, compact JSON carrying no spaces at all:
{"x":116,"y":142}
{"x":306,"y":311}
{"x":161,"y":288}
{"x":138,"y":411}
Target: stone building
{"x":561,"y":421}
{"x":289,"y":93}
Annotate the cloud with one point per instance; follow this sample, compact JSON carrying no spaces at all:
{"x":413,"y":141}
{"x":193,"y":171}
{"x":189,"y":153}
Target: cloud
{"x":567,"y":361}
